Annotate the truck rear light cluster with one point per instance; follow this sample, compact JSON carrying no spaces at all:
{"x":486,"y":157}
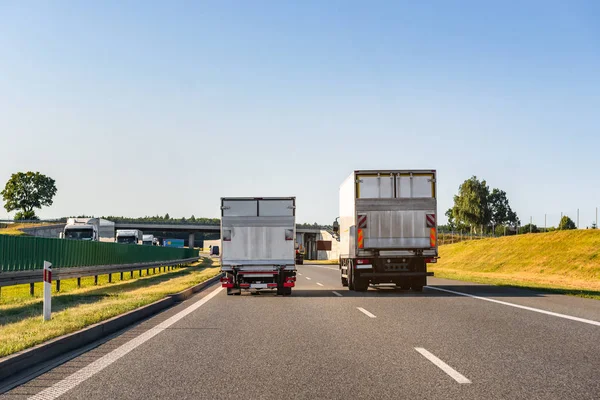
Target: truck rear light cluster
{"x":362,"y":261}
{"x":431,"y":260}
{"x":271,"y":285}
{"x":290,"y":281}
{"x":226,"y":282}
{"x":244,"y":285}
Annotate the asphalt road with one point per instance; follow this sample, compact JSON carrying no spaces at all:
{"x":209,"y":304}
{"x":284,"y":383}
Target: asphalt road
{"x":317,"y":344}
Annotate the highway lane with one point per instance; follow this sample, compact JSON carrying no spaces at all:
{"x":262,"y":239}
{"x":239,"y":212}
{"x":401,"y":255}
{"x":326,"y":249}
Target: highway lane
{"x":316,"y":344}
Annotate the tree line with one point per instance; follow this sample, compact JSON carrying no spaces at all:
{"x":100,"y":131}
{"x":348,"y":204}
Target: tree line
{"x":479,"y":210}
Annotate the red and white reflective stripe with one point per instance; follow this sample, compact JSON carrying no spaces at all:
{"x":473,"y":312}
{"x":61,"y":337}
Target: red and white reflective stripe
{"x":47,"y":275}
{"x":430,"y":220}
{"x":271,"y":285}
{"x":362,"y":221}
{"x":361,"y":239}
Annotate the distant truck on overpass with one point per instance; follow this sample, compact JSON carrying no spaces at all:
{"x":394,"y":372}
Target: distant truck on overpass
{"x":130,"y":236}
{"x":148,"y":240}
{"x":387,"y":228}
{"x":258,"y":236}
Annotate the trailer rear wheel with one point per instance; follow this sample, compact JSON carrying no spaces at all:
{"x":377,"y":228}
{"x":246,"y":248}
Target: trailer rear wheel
{"x":287,"y":291}
{"x":344,"y":281}
{"x":417,"y":288}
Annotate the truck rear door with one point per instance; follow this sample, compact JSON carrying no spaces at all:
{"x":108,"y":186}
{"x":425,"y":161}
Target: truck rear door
{"x":396,"y":211}
{"x":258,"y":231}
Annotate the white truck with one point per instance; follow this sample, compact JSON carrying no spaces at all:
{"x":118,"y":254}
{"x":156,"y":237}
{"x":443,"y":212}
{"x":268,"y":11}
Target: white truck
{"x":81,"y":229}
{"x":148,"y":240}
{"x":129,"y":236}
{"x":258,"y":244}
{"x":387,"y":228}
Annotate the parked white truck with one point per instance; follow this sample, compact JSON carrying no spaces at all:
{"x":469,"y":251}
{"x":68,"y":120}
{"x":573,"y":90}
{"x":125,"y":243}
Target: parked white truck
{"x":257,"y":237}
{"x":129,"y":236}
{"x":387,"y":228}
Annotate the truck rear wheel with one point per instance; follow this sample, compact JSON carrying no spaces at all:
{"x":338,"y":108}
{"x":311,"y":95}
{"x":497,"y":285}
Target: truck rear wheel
{"x":287,"y":291}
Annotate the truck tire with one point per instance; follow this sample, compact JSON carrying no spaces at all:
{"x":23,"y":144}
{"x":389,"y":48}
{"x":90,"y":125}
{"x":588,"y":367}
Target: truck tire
{"x":287,"y":291}
{"x":417,"y":288}
{"x":344,"y":281}
{"x":404,"y":286}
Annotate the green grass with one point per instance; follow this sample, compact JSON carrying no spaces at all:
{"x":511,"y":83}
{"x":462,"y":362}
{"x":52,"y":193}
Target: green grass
{"x":566,"y":262}
{"x":321,"y":262}
{"x":21,"y":324}
{"x":15,"y":229}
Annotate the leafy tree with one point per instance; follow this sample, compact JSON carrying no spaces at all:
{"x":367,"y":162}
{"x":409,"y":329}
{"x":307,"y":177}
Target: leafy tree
{"x":192,"y":218}
{"x":566,"y":223}
{"x":26,"y":191}
{"x":594,"y":226}
{"x":167,"y":217}
{"x":500,"y":211}
{"x":471,"y":203}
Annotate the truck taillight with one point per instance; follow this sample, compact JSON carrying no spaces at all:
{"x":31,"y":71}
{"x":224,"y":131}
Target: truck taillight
{"x":363,"y":261}
{"x":226,"y":282}
{"x":431,"y":260}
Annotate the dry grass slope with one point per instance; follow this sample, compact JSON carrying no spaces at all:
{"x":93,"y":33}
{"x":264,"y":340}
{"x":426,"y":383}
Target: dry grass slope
{"x":562,"y":260}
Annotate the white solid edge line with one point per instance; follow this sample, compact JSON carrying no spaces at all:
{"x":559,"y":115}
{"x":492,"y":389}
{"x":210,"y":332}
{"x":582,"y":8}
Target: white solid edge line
{"x":368,"y":314}
{"x":320,"y":284}
{"x":68,"y":383}
{"x":307,"y":278}
{"x":299,"y":273}
{"x":336,"y":293}
{"x":586,"y":321}
{"x":454,"y":374}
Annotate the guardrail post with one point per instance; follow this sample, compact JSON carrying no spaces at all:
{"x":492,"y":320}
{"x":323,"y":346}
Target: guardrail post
{"x":109,"y":278}
{"x":58,"y":285}
{"x":140,"y":273}
{"x":121,"y":276}
{"x":148,"y":271}
{"x":131,"y":274}
{"x":47,"y":278}
{"x":78,"y":282}
{"x":31,"y":288}
{"x":95,"y":279}
{"x":154,"y":270}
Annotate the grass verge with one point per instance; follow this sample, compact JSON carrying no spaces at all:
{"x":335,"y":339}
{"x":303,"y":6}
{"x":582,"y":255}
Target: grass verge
{"x":21,"y":324}
{"x":565,"y":262}
{"x":321,"y":262}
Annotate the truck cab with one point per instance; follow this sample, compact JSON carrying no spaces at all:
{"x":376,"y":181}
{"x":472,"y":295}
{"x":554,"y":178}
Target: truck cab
{"x":129,"y":236}
{"x":81,"y":229}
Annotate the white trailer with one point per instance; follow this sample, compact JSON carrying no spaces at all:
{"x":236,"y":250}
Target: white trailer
{"x":257,"y":237}
{"x":387,"y":228}
{"x":129,"y":236}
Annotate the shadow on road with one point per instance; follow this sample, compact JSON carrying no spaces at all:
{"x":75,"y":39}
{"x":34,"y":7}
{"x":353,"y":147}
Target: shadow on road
{"x":475,"y":290}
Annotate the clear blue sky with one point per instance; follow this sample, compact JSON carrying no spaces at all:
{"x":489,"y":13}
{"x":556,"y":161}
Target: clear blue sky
{"x":151,"y":107}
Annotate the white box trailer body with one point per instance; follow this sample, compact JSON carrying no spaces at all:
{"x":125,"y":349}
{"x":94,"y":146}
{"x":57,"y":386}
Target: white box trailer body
{"x":129,"y":236}
{"x":257,"y":237}
{"x":388,"y":228}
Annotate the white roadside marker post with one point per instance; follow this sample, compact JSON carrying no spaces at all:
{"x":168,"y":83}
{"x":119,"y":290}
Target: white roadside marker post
{"x":47,"y":290}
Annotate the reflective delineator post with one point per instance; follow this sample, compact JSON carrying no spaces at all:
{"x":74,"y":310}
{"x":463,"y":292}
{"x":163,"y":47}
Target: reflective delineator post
{"x":47,"y":290}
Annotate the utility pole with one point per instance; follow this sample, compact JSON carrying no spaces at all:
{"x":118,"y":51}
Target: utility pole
{"x":545,"y":226}
{"x":578,"y":218}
